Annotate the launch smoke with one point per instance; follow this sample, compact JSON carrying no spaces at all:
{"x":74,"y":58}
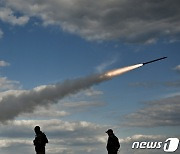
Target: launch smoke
{"x":14,"y":103}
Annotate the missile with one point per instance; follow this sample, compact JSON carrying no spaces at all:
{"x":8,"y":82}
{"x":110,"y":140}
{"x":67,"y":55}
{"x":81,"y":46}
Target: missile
{"x":154,"y":60}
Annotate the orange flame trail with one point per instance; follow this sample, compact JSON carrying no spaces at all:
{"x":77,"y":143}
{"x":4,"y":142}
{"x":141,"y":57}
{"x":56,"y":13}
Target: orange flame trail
{"x":120,"y":71}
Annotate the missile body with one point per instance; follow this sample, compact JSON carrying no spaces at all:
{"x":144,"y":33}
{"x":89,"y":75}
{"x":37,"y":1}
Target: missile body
{"x":154,"y":60}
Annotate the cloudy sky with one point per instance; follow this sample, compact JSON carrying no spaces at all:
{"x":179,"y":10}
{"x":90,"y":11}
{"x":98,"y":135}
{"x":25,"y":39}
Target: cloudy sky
{"x":50,"y":54}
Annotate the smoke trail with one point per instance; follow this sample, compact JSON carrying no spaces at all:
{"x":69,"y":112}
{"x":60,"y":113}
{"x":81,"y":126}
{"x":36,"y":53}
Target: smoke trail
{"x":14,"y":103}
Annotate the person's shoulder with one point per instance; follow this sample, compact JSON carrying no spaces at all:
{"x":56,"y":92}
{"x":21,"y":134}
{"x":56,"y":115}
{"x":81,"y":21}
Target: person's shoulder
{"x":115,"y":137}
{"x":43,"y":134}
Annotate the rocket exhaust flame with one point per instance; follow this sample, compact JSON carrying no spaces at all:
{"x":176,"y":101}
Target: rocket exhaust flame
{"x":120,"y":71}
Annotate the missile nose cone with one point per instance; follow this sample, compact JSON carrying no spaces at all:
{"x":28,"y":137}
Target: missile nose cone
{"x":154,"y":60}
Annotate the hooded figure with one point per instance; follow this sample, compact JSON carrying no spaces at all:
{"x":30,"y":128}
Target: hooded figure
{"x":113,"y":143}
{"x":40,"y":141}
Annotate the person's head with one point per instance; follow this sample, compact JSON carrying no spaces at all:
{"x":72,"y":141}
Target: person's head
{"x":109,"y":132}
{"x":37,"y":129}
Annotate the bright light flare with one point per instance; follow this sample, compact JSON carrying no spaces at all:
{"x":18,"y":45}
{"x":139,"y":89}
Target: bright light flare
{"x":120,"y":71}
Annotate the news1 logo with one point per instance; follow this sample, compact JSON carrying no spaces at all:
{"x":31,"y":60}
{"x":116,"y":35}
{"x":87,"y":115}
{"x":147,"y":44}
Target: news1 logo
{"x":170,"y":145}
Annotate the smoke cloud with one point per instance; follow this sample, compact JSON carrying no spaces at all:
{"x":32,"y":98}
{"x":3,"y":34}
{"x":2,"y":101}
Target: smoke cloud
{"x":14,"y":103}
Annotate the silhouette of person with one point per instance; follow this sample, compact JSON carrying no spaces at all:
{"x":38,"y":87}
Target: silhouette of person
{"x":113,"y":143}
{"x":40,"y":141}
